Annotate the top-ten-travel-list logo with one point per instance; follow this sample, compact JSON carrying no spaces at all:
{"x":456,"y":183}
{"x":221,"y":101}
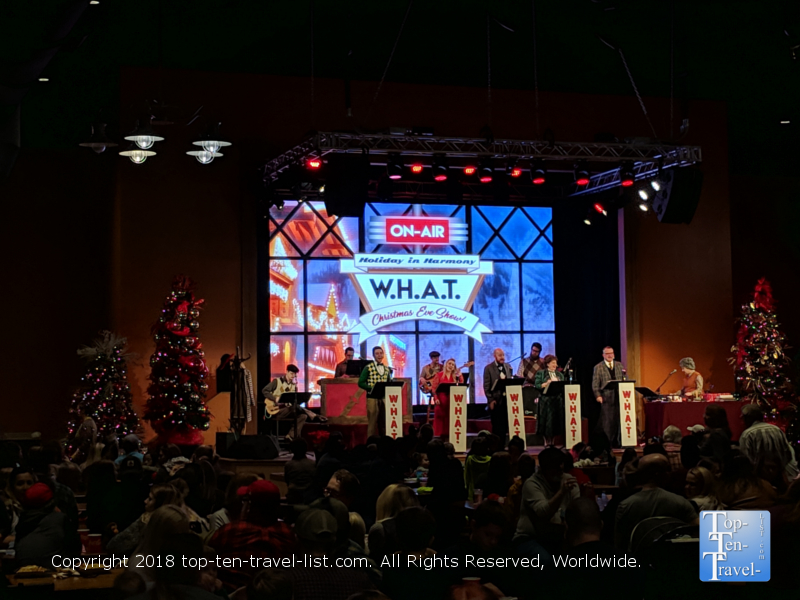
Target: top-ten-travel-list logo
{"x":734,"y":545}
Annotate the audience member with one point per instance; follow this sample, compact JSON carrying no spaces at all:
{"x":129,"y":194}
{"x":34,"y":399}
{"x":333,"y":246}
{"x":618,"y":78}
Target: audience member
{"x":383,"y":534}
{"x":651,"y":501}
{"x":446,"y":502}
{"x":19,"y":481}
{"x":166,"y":522}
{"x":583,"y":527}
{"x":516,"y":448}
{"x":130,"y":445}
{"x":672,"y":445}
{"x":545,"y":496}
{"x":125,"y":542}
{"x":129,"y":584}
{"x":716,"y":419}
{"x":270,"y":584}
{"x":499,"y":478}
{"x":232,"y":507}
{"x":476,"y":467}
{"x":257,"y":533}
{"x":42,"y":530}
{"x":526,"y":467}
{"x":700,"y":489}
{"x":759,"y":437}
{"x":40,"y":459}
{"x":298,"y":472}
{"x":343,"y":486}
{"x":316,"y":533}
{"x":740,"y":488}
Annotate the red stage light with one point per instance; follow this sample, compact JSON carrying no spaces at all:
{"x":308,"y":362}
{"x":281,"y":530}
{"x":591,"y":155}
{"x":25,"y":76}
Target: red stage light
{"x":486,"y":178}
{"x":600,"y":208}
{"x":626,"y":182}
{"x":416,"y":168}
{"x":314,"y":163}
{"x":582,"y":181}
{"x":470,"y":170}
{"x":516,"y":172}
{"x":538,"y":180}
{"x":441,"y":177}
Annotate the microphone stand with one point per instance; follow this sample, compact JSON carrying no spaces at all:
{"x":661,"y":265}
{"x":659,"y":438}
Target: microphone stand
{"x":658,"y":389}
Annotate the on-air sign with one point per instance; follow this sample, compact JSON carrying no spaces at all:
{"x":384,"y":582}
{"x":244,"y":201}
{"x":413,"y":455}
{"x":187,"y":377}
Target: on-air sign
{"x":412,"y":231}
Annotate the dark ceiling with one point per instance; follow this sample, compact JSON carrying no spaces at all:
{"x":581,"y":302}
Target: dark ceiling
{"x":736,"y":51}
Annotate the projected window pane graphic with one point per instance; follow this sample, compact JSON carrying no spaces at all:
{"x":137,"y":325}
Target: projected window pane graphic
{"x":310,"y":297}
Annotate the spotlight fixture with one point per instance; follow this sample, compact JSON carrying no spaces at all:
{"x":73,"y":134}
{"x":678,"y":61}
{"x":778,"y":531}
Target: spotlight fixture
{"x":314,"y":164}
{"x":582,"y":176}
{"x":643,"y":194}
{"x":143,"y":136}
{"x":278,"y":204}
{"x":655,"y":184}
{"x":513,"y":169}
{"x":439,"y":168}
{"x":395,"y":167}
{"x":589,"y":218}
{"x":417,"y":168}
{"x":486,"y":172}
{"x":644,"y":206}
{"x":538,"y":172}
{"x":136,"y":154}
{"x":99,"y":140}
{"x":44,"y":79}
{"x":627,"y":177}
{"x":599,"y":208}
{"x":470,"y":170}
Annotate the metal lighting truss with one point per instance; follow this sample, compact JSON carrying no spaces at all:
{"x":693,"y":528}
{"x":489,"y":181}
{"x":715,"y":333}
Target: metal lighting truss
{"x":647,"y":158}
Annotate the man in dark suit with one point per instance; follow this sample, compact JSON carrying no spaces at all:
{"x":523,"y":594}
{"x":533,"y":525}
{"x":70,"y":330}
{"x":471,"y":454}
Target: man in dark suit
{"x":605,"y":371}
{"x":498,"y":369}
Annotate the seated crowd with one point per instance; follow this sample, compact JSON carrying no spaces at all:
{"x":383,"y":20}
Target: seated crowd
{"x":502,"y":524}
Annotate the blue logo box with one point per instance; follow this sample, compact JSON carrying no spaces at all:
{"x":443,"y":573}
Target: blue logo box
{"x":734,"y":545}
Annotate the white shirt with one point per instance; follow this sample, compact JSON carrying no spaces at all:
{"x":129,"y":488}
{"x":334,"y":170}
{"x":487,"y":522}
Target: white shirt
{"x":380,"y":368}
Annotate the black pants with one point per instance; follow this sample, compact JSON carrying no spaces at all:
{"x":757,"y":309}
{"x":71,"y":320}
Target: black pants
{"x":500,"y":419}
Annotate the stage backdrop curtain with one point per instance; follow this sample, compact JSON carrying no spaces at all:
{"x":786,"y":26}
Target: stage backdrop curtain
{"x":586,"y":281}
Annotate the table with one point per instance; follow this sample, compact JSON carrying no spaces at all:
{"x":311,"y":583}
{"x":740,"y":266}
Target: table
{"x":104,"y":580}
{"x":658,"y":415}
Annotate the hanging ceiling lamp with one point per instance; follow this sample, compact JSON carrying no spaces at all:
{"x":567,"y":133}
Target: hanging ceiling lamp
{"x":144,"y":136}
{"x":136,"y":154}
{"x":99,"y":140}
{"x":210,"y":144}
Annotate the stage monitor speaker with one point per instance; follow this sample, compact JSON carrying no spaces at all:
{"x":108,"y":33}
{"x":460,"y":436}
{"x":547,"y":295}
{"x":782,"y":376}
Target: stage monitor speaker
{"x":678,"y":202}
{"x":258,"y":447}
{"x":346,"y":184}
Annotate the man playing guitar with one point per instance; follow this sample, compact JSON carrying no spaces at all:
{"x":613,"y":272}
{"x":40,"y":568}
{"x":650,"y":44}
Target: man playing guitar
{"x":273,"y":408}
{"x":428,"y":371}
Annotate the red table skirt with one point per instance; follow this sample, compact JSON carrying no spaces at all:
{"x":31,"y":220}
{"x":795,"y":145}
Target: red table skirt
{"x":659,"y":415}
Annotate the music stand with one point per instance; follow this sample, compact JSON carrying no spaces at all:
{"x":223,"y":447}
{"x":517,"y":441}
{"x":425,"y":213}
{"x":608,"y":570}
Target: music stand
{"x":294,"y":398}
{"x":648,"y":394}
{"x":612,"y":385}
{"x":502,"y":384}
{"x":555,"y":388}
{"x":445,"y":387}
{"x":466,"y":377}
{"x":354,"y":367}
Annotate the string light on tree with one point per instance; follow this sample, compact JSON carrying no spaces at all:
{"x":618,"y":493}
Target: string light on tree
{"x":104,"y":393}
{"x":759,"y":357}
{"x":176,"y":409}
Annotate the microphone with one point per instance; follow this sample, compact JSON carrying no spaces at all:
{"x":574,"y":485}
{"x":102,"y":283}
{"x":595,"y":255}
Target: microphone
{"x":624,"y":373}
{"x":671,"y":373}
{"x":569,"y":362}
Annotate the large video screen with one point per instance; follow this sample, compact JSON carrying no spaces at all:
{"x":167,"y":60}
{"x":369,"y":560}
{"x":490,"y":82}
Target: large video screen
{"x":412,"y":279}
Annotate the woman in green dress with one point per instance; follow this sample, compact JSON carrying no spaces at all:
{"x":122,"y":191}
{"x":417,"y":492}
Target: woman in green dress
{"x":551,"y":408}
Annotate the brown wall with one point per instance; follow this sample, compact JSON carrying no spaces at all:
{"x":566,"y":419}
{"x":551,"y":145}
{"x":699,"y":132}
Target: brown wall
{"x":172,"y":215}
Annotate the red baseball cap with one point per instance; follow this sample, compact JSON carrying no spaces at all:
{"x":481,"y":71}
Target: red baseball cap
{"x":261,"y":492}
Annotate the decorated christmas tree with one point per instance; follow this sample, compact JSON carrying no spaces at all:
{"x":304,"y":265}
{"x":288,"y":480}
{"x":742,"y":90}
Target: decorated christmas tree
{"x":760,"y":362}
{"x":104,"y":393}
{"x":176,"y":408}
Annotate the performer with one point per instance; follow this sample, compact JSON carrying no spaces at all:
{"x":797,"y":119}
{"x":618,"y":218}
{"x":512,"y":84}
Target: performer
{"x":551,"y":408}
{"x":428,"y":371}
{"x":692,"y":380}
{"x":373,"y":373}
{"x":498,"y":369}
{"x":273,"y":409}
{"x":341,"y":368}
{"x":441,"y":413}
{"x":605,"y":371}
{"x":528,"y":367}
